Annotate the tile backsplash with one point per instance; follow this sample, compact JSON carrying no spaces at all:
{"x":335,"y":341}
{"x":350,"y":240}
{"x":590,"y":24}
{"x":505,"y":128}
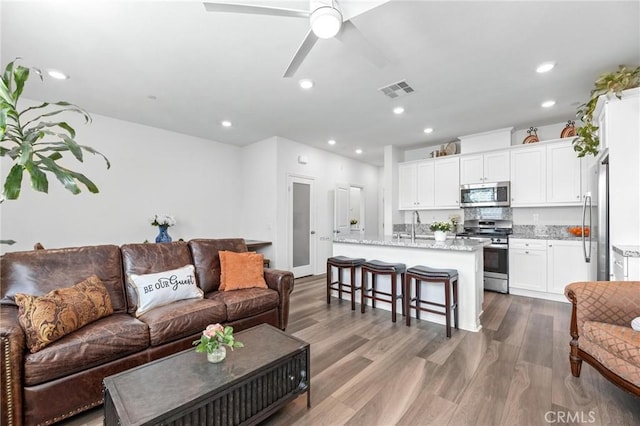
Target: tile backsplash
{"x":504,"y":213}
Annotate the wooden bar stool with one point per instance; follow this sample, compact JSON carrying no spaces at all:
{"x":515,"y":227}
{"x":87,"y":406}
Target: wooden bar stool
{"x":375,"y":268}
{"x":341,"y":263}
{"x":449,"y":277}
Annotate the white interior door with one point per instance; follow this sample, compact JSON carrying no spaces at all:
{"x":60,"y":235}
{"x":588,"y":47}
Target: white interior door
{"x":302,"y":241}
{"x":341,"y":221}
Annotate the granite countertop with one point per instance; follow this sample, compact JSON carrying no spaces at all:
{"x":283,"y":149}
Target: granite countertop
{"x":626,"y":250}
{"x":527,"y":236}
{"x":425,"y":242}
{"x":544,"y":232}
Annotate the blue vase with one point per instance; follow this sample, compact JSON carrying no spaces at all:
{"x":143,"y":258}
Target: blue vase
{"x":163,"y":235}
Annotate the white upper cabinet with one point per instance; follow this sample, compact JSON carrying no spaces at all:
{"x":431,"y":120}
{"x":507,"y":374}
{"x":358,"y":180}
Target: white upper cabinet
{"x":447,"y":182}
{"x":407,"y":185}
{"x":484,"y":168}
{"x":528,"y":176}
{"x":429,"y":184}
{"x":415,"y":185}
{"x":471,"y":169}
{"x":563,"y":174}
{"x":496,"y":166}
{"x":425,"y":191}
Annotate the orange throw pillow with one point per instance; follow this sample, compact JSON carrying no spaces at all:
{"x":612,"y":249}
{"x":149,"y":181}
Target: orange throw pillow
{"x":241,"y":270}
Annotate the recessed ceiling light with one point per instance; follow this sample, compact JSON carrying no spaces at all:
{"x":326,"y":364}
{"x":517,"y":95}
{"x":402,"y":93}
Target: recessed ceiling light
{"x":226,"y":123}
{"x":331,"y":142}
{"x":398,"y":110}
{"x":428,"y":130}
{"x":545,"y":67}
{"x":306,"y":83}
{"x":358,"y":151}
{"x":548,"y":104}
{"x":58,"y":75}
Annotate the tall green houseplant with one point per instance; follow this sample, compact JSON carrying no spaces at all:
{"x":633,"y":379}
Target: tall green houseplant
{"x":587,"y":140}
{"x":34,"y":142}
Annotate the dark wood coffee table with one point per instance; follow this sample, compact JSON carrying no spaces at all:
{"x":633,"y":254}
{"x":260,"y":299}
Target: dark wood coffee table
{"x":247,"y":387}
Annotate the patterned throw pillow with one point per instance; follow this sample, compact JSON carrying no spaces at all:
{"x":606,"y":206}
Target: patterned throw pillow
{"x":162,"y":288}
{"x":241,"y":270}
{"x":48,"y":318}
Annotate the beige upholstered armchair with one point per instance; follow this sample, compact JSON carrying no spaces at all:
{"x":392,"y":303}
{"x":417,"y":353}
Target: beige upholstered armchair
{"x":601,"y":330}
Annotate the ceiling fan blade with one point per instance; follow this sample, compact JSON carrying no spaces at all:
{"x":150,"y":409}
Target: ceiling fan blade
{"x":303,"y":51}
{"x":353,"y":38}
{"x":255,"y":10}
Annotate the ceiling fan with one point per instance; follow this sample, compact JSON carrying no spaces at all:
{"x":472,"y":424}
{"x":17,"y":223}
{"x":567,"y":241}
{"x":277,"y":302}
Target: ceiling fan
{"x":326,"y":21}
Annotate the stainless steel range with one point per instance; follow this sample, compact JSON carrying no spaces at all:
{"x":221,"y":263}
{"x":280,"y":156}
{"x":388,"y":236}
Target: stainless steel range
{"x":496,"y":254}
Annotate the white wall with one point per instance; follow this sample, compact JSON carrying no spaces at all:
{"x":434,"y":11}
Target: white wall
{"x":213,"y":190}
{"x":327,"y":170}
{"x":259,"y":193}
{"x":153,"y":171}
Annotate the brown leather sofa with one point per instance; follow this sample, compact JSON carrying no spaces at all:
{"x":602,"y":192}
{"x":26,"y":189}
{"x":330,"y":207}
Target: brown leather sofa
{"x":66,"y":376}
{"x":601,"y":330}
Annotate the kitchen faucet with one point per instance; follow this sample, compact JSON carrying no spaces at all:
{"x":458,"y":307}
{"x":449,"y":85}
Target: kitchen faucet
{"x":415,"y":218}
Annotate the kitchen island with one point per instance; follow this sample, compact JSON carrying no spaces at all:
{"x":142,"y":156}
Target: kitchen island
{"x":465,"y":255}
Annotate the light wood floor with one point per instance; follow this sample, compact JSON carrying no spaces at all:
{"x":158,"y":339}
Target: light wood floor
{"x":365,"y":370}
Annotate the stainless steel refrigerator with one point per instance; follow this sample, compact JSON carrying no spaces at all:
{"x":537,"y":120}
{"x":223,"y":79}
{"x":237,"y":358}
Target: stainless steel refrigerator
{"x":595,"y":211}
{"x":602,"y":212}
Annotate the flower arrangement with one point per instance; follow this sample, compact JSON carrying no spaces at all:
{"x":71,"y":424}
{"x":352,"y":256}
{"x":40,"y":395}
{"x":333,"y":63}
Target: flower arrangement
{"x":162,"y":220}
{"x":215,"y":336}
{"x":441,"y":226}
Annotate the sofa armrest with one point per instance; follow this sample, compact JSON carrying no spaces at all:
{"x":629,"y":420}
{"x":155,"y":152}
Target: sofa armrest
{"x":282,"y":282}
{"x":12,"y":345}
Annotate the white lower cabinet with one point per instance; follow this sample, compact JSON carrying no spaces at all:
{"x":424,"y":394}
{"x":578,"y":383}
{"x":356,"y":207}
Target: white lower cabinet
{"x":566,"y":264}
{"x":528,"y":264}
{"x":547,"y":266}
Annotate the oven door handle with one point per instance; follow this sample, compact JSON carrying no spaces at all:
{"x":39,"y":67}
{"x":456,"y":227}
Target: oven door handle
{"x":498,"y":246}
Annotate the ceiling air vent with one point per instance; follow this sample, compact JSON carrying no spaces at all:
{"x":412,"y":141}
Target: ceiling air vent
{"x":397,"y":89}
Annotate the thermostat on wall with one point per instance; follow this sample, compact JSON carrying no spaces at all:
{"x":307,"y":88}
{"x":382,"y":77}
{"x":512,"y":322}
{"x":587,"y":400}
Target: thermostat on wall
{"x":302,"y":159}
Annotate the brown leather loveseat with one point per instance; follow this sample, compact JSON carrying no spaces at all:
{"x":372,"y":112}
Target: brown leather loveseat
{"x":65,"y":377}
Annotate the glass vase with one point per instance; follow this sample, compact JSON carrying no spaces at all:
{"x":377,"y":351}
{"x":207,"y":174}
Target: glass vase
{"x":217,"y":355}
{"x":163,"y":235}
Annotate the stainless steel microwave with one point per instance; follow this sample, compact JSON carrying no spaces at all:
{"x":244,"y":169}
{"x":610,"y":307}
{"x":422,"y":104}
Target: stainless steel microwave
{"x":496,"y":194}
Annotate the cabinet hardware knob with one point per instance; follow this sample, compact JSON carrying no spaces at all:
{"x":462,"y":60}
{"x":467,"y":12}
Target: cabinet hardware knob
{"x":526,"y":252}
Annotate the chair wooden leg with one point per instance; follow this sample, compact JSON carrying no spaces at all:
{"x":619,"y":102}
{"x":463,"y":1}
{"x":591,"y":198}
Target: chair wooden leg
{"x":363,"y":289}
{"x":455,"y":303}
{"x":373,"y":289}
{"x":353,"y":288}
{"x":329,"y":271}
{"x":404,"y":312}
{"x":339,"y":283}
{"x":447,"y":307}
{"x":394,"y":292}
{"x":407,"y":299}
{"x":418,"y":285}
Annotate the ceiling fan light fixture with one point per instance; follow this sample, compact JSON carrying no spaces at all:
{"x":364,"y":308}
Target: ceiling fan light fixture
{"x":326,"y":21}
